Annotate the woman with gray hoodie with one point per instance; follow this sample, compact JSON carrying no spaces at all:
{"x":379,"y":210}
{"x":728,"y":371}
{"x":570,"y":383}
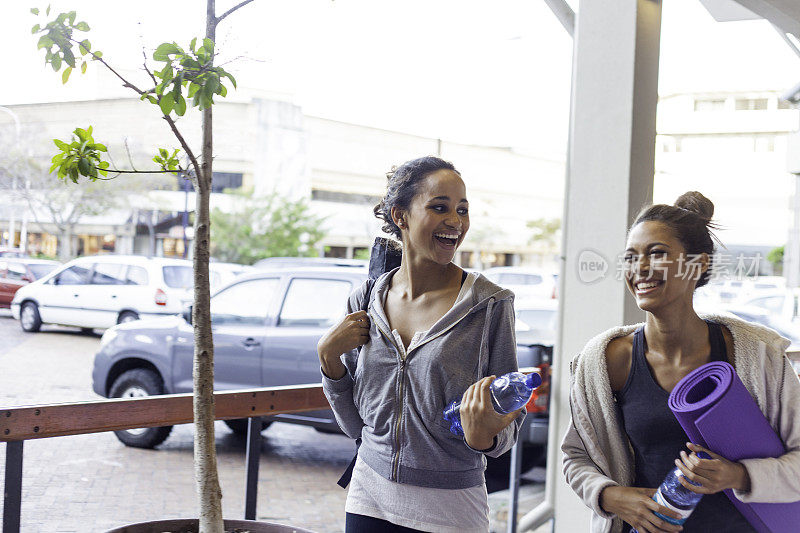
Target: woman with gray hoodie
{"x":624,"y":439}
{"x":427,"y":331}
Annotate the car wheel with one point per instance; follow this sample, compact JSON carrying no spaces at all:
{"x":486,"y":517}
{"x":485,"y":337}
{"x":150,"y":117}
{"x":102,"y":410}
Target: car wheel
{"x":139,"y":383}
{"x":29,"y":317}
{"x":127,"y":316}
{"x":239,"y":426}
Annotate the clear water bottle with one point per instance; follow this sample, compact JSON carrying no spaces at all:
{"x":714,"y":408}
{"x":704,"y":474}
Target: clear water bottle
{"x":672,"y":495}
{"x":509,"y":392}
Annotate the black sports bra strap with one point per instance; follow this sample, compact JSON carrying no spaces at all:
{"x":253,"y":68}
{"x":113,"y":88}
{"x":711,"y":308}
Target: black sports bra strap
{"x":719,"y":351}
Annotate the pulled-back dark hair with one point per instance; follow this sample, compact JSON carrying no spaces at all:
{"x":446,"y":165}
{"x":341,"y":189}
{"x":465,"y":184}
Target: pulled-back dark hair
{"x":690,"y":219}
{"x":403,"y":186}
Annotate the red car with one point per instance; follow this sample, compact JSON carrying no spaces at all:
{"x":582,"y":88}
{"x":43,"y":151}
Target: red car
{"x":18,"y":271}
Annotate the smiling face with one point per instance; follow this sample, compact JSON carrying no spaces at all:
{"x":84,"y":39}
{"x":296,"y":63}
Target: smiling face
{"x":436,"y":222}
{"x":658,"y":270}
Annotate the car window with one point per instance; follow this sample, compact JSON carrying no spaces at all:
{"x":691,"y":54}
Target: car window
{"x":770,"y":303}
{"x":42,"y":269}
{"x":16,"y":271}
{"x":519,"y":279}
{"x":543,"y":319}
{"x":245,"y":303}
{"x":314,"y":302}
{"x":178,"y":277}
{"x":74,"y":275}
{"x":137,"y":276}
{"x":109,"y":274}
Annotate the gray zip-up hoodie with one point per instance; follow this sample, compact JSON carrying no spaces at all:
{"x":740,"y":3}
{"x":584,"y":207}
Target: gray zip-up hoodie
{"x":395,"y":403}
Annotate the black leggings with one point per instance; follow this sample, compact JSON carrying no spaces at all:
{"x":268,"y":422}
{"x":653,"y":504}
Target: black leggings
{"x":356,"y":523}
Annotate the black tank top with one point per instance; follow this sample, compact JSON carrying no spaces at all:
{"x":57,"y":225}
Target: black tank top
{"x":657,"y":437}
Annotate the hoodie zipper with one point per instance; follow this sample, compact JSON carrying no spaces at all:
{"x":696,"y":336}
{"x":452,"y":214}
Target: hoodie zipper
{"x":396,"y":459}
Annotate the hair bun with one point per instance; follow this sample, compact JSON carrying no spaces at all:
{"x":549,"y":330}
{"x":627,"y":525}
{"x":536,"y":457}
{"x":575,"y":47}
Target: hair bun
{"x":696,"y":203}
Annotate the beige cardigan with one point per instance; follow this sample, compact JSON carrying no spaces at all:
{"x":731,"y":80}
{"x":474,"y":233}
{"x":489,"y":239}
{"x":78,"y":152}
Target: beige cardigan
{"x":596,"y":449}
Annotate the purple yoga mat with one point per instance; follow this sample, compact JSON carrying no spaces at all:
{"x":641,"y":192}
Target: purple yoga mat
{"x":717,"y":412}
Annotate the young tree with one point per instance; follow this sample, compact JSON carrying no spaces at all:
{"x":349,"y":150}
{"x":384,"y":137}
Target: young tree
{"x":266,"y":226}
{"x":185,"y":73}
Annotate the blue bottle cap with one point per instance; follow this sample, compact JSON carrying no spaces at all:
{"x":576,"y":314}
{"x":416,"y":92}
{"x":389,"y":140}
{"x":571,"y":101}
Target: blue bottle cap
{"x":533,"y":380}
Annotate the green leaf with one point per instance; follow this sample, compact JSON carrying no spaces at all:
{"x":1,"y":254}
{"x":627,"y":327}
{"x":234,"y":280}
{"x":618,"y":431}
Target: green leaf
{"x":163,"y":152}
{"x":83,"y":67}
{"x":164,"y":49}
{"x":85,"y":46}
{"x":35,"y":29}
{"x":212,"y":83}
{"x":230,"y":77}
{"x":61,"y":145}
{"x":193,"y":44}
{"x":84,"y":166}
{"x":35,"y":10}
{"x":193,"y":88}
{"x":98,"y":55}
{"x":56,"y":63}
{"x":166,"y":104}
{"x":223,"y":92}
{"x":65,"y":75}
{"x":180,"y":107}
{"x":48,"y":10}
{"x":82,"y":26}
{"x":71,"y":16}
{"x":208,"y":44}
{"x":103,"y":165}
{"x":100,"y":147}
{"x":44,"y":42}
{"x":152,"y":99}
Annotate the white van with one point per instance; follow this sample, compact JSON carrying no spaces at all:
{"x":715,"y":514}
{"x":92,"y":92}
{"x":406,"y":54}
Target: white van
{"x":100,"y":291}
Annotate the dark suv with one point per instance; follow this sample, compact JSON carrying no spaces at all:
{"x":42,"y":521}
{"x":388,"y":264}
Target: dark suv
{"x":266,"y":326}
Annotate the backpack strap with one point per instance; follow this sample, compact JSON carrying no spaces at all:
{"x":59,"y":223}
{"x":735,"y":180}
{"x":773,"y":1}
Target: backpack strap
{"x":347,"y":475}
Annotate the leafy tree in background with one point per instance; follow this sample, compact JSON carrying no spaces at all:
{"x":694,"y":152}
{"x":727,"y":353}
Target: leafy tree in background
{"x":266,"y":226}
{"x":775,"y":256}
{"x":544,"y":230}
{"x":184,"y":74}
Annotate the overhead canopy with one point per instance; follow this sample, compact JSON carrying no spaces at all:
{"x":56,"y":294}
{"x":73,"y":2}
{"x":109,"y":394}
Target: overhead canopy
{"x":784,"y":14}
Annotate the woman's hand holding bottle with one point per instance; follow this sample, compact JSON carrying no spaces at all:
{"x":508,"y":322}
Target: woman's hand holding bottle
{"x":636,"y":506}
{"x":479,"y":419}
{"x":349,"y":334}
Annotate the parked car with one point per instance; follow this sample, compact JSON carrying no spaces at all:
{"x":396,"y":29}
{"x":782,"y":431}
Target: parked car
{"x":11,"y":252}
{"x":16,"y":272}
{"x":100,"y":291}
{"x":266,"y":326}
{"x":222,"y":274}
{"x":525,"y":282}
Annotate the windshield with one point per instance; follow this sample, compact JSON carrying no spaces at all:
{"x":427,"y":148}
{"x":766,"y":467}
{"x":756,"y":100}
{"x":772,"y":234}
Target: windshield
{"x":40,"y":270}
{"x":178,"y":277}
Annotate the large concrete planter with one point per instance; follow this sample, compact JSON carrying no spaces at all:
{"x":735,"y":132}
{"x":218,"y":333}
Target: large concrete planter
{"x":189,"y":525}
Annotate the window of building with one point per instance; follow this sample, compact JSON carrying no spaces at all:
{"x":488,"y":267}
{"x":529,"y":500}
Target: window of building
{"x":343,"y":197}
{"x":219,"y":181}
{"x":751,"y":104}
{"x":709,"y":104}
{"x":764,"y":143}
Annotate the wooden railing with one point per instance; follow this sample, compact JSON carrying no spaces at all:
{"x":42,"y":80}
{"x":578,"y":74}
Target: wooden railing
{"x":18,"y":424}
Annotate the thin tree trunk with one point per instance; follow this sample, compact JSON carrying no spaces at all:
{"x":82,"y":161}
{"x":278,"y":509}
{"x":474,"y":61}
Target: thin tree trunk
{"x":205,"y":454}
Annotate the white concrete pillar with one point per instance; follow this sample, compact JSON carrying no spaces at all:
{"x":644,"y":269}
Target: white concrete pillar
{"x":609,"y":177}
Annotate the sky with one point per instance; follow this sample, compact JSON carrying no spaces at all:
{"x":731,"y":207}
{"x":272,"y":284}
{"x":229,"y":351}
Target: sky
{"x":464,"y":70}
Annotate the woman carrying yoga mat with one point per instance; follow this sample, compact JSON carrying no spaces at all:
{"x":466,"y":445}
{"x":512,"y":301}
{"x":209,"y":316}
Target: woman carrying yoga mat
{"x":624,"y":438}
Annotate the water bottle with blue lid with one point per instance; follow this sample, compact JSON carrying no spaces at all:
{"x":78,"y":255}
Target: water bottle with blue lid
{"x":509,"y":392}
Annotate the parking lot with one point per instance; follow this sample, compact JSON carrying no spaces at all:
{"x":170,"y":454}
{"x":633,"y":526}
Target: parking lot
{"x":93,"y":482}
